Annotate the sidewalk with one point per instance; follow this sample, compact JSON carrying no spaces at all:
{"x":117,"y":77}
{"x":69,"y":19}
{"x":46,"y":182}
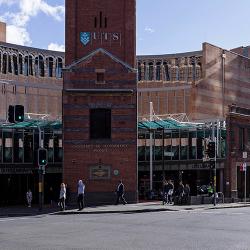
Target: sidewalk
{"x":18,"y":211}
{"x":149,"y":207}
{"x":128,"y":208}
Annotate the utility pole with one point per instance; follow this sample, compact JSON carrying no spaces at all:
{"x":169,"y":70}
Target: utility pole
{"x":244,"y":156}
{"x":151,"y":148}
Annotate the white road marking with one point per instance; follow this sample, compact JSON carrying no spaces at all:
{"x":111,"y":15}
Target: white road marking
{"x":13,"y":219}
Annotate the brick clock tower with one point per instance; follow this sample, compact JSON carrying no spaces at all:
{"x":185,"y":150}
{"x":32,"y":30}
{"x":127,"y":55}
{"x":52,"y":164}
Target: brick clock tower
{"x":100,"y":98}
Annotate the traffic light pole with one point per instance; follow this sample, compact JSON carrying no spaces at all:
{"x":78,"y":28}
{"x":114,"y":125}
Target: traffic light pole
{"x":41,"y":175}
{"x":214,"y":150}
{"x":215,"y":177}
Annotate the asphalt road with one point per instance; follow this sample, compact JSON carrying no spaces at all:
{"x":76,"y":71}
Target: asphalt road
{"x":200,"y":229}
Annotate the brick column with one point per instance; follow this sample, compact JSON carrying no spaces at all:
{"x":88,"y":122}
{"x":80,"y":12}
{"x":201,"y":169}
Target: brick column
{"x":154,"y":71}
{"x":1,"y":62}
{"x":162,"y":70}
{"x":142,"y":72}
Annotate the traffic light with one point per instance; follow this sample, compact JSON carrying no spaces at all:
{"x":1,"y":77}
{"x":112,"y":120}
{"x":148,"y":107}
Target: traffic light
{"x":11,"y":114}
{"x":16,"y":113}
{"x":211,"y":149}
{"x":42,"y":157}
{"x":19,"y":113}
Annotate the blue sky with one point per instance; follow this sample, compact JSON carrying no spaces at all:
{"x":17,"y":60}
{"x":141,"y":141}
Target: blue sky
{"x":163,"y":26}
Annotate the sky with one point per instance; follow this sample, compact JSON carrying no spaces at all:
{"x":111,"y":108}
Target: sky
{"x":163,"y":26}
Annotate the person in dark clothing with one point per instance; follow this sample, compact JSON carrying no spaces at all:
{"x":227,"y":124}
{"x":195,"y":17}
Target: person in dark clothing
{"x":186,"y":194}
{"x":180,"y":193}
{"x":80,"y":194}
{"x":167,"y":192}
{"x":170,"y":192}
{"x":120,"y":193}
{"x":164,"y":192}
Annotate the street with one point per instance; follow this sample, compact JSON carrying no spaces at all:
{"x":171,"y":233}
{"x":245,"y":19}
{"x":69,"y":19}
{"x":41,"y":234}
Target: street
{"x":197,"y":229}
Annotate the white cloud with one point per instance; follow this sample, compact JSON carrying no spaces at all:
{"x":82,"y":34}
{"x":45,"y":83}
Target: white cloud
{"x":17,"y":22}
{"x":149,"y":30}
{"x":56,"y":47}
{"x":33,"y":7}
{"x":18,"y":35}
{"x":7,"y":2}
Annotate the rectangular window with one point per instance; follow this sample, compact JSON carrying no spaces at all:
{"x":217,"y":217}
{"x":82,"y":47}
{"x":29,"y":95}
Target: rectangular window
{"x":99,"y":77}
{"x":241,"y":139}
{"x":100,"y":124}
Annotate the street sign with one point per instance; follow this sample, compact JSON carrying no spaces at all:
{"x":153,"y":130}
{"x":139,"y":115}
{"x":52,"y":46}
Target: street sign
{"x":244,"y":155}
{"x":168,"y":154}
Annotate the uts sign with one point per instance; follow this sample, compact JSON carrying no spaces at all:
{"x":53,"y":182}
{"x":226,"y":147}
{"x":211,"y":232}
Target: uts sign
{"x":103,"y":38}
{"x":85,"y":37}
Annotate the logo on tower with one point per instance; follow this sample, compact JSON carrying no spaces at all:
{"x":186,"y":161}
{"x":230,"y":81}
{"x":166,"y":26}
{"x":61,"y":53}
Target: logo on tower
{"x":85,"y":37}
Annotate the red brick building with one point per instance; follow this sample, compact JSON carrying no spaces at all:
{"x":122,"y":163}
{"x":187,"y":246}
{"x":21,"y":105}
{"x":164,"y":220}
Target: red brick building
{"x":100,"y":76}
{"x":100,"y":98}
{"x":238,"y":141}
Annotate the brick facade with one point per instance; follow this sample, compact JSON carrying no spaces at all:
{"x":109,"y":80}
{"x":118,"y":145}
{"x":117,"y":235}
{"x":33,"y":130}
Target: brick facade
{"x":35,"y":84}
{"x":100,"y":162}
{"x":238,"y":141}
{"x":2,"y":32}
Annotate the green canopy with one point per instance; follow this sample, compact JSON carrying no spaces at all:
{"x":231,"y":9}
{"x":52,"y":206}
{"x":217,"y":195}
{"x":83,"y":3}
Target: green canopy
{"x":54,"y":125}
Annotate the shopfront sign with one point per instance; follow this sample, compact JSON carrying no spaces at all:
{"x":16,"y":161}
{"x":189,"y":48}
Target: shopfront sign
{"x":15,"y":171}
{"x":99,"y":172}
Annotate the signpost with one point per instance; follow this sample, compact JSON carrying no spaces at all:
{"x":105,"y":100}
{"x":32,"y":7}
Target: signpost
{"x":244,"y":168}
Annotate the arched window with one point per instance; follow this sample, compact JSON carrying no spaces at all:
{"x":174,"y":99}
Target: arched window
{"x":150,"y":71}
{"x":15,"y":65}
{"x":158,"y":71}
{"x":59,"y":66}
{"x":177,"y":72}
{"x":167,"y":71}
{"x":193,"y":70}
{"x":4,"y":63}
{"x":20,"y":64}
{"x":198,"y":70}
{"x":50,"y":62}
{"x":145,"y":71}
{"x":26,"y":66}
{"x":36,"y":66}
{"x":41,"y":66}
{"x":139,"y":71}
{"x":30,"y":65}
{"x":9,"y":64}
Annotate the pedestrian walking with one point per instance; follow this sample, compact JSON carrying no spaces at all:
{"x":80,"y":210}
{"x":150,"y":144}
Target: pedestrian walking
{"x":186,"y":193}
{"x":29,"y":197}
{"x":80,"y":194}
{"x":179,"y":193}
{"x":120,"y":193}
{"x":210,"y":189}
{"x":164,"y":192}
{"x":170,"y":192}
{"x":62,"y":197}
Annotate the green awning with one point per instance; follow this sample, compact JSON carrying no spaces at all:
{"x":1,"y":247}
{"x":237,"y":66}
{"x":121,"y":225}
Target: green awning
{"x":54,"y":125}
